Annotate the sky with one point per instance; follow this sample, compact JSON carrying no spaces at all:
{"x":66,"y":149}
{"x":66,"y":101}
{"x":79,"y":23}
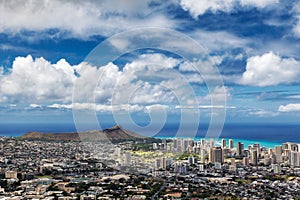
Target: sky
{"x":191,"y":60}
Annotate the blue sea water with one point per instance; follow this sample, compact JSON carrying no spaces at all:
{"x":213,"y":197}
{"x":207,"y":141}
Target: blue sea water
{"x":266,"y":134}
{"x":18,"y":129}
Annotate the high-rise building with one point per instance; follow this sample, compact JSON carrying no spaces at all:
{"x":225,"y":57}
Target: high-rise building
{"x":192,"y":160}
{"x":163,"y":163}
{"x":202,"y":142}
{"x":231,"y":146}
{"x":285,"y":146}
{"x":239,"y":149}
{"x":169,"y":162}
{"x":127,"y":158}
{"x":290,"y":146}
{"x":223,"y":143}
{"x":211,"y":143}
{"x":278,"y":150}
{"x":157,"y":163}
{"x":294,"y":158}
{"x":217,"y":155}
{"x":246,"y":161}
{"x":257,"y":146}
{"x":179,"y":145}
{"x":202,"y":155}
{"x":278,"y":154}
{"x":164,"y":144}
{"x":201,"y":168}
{"x":210,"y":155}
{"x":278,"y":159}
{"x":185,"y":145}
{"x":254,"y":156}
{"x":175,"y":144}
{"x":227,"y":152}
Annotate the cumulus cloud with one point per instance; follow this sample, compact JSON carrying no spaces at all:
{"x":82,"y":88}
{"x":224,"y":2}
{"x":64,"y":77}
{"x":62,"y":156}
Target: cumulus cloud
{"x":270,"y":70}
{"x":150,"y":79}
{"x":143,"y":81}
{"x":37,"y":80}
{"x":199,"y":7}
{"x":289,"y":108}
{"x":80,"y":18}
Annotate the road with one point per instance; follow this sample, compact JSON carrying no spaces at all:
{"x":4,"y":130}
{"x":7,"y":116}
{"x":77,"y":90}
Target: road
{"x":158,"y":191}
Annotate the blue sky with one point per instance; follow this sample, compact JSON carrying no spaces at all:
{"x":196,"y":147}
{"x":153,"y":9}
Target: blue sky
{"x":45,"y":47}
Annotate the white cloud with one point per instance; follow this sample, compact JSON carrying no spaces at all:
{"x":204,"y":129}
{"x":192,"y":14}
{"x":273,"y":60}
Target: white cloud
{"x":293,"y":97}
{"x":33,"y":105}
{"x":296,"y":25}
{"x":289,"y":108}
{"x":217,"y":40}
{"x":80,"y":18}
{"x":60,"y":106}
{"x":199,"y":7}
{"x":151,"y":62}
{"x":264,"y":113}
{"x":148,"y":82}
{"x":205,"y":107}
{"x":98,"y":107}
{"x":148,"y":94}
{"x":37,"y":81}
{"x":218,"y":95}
{"x":140,"y":81}
{"x":296,"y":28}
{"x":259,"y":3}
{"x":269,"y":70}
{"x":154,"y":107}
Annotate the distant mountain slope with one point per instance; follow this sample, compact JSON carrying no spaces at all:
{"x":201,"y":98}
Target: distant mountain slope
{"x":114,"y":134}
{"x":51,"y":136}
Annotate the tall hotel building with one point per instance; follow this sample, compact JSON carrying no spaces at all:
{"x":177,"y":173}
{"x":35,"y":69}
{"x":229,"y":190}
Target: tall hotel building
{"x":223,"y":143}
{"x":254,"y":156}
{"x":239,"y":149}
{"x":231,"y":146}
{"x":216,"y":155}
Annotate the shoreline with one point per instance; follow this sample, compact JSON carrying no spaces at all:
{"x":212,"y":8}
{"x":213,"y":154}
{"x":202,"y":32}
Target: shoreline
{"x":262,"y":143}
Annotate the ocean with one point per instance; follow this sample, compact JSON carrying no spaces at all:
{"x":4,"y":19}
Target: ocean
{"x":266,"y":134}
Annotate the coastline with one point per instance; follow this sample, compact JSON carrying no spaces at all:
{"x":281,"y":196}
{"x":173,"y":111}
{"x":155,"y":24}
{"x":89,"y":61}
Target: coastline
{"x":262,"y":143}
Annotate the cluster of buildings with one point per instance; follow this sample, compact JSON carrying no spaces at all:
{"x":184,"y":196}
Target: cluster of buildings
{"x":226,"y":151}
{"x":168,"y":169}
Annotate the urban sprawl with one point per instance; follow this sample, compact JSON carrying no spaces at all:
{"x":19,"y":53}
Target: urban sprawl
{"x":165,"y":169}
